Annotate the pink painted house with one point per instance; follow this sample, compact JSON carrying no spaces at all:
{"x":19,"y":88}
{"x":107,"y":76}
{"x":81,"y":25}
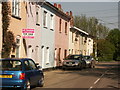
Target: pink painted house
{"x":61,"y":35}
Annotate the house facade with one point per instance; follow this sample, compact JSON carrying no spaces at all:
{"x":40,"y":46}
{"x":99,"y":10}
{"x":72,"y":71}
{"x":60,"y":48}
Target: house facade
{"x":90,"y":45}
{"x":34,"y":26}
{"x":0,"y":28}
{"x":47,"y":35}
{"x":61,"y":35}
{"x":77,"y":41}
{"x":17,"y":24}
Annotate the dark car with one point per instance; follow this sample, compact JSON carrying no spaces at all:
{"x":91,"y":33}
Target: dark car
{"x":73,"y":61}
{"x":20,"y":73}
{"x":90,"y":61}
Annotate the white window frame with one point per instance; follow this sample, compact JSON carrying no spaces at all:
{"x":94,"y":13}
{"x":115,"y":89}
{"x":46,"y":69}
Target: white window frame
{"x":51,"y":21}
{"x":44,"y":18}
{"x":47,"y":55}
{"x":37,"y":16}
{"x":16,"y":8}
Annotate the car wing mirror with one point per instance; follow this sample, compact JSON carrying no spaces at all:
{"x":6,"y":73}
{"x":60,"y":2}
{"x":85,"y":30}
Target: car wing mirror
{"x":39,"y":67}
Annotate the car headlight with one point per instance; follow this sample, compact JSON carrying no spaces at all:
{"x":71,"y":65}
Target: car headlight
{"x":76,"y":63}
{"x":87,"y":62}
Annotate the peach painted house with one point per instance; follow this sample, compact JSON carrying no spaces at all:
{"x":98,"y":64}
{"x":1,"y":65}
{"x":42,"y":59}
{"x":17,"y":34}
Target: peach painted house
{"x":0,"y":28}
{"x":62,"y":25}
{"x":17,"y":23}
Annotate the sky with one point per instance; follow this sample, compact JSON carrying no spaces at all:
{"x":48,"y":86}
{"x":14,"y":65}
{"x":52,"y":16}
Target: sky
{"x":105,"y":11}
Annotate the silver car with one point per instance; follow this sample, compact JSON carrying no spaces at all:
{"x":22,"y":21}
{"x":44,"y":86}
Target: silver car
{"x":73,"y":61}
{"x":90,"y":61}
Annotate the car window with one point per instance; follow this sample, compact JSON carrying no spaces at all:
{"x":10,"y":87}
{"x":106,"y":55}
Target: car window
{"x":11,"y":65}
{"x":27,"y":66}
{"x":87,"y":57}
{"x":32,"y":64}
{"x":73,"y":57}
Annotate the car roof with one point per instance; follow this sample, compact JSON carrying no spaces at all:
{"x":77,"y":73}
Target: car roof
{"x":14,"y":58}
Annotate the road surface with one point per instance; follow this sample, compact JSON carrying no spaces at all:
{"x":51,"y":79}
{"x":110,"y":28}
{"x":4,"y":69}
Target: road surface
{"x":106,"y":75}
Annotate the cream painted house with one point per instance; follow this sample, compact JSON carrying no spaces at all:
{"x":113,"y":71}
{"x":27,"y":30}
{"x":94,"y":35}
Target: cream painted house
{"x":80,"y":42}
{"x":89,"y":45}
{"x":77,"y":41}
{"x":17,"y":23}
{"x":0,"y":29}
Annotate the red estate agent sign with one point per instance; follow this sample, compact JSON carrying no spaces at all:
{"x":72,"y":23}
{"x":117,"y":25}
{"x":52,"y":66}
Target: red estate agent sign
{"x":27,"y":33}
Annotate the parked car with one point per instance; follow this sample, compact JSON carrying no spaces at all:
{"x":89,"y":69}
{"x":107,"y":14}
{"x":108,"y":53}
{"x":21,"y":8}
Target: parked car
{"x":20,"y":73}
{"x":90,"y":61}
{"x":73,"y":61}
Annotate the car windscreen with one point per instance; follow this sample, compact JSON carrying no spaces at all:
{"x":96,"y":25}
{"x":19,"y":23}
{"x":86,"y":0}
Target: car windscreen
{"x":73,"y":57}
{"x":86,"y":57}
{"x":10,"y":65}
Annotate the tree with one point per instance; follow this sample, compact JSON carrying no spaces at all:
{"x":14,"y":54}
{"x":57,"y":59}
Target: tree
{"x":106,"y":50}
{"x":91,"y":25}
{"x":8,"y":36}
{"x":114,"y":38}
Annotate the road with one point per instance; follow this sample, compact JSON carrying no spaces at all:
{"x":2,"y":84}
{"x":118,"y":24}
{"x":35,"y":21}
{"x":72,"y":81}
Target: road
{"x":106,"y":75}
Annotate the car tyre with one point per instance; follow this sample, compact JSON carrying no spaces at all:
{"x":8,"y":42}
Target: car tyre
{"x":80,"y":67}
{"x":92,"y":65}
{"x":27,"y":86}
{"x":41,"y":82}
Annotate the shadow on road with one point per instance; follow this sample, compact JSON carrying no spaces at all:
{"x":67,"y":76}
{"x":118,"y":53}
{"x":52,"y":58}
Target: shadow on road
{"x":113,"y":71}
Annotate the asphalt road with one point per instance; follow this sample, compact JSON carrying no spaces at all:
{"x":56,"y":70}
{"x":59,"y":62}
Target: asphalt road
{"x":106,"y":75}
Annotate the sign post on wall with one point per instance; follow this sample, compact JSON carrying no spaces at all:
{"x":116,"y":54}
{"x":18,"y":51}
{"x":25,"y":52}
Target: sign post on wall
{"x":28,"y":33}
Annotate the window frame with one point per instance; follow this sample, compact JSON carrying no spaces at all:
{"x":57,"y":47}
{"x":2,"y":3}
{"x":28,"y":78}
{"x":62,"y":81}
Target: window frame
{"x":45,"y":19}
{"x":16,"y":8}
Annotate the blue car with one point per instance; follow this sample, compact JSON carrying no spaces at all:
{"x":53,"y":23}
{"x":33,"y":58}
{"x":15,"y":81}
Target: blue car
{"x":20,"y":73}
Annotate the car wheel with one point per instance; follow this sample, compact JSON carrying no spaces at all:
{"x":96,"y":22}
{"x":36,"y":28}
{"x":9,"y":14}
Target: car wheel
{"x":80,"y":66}
{"x":27,"y":86}
{"x":41,"y":82}
{"x":92,"y":65}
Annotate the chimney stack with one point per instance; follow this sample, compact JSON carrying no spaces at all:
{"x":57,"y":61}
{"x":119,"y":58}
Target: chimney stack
{"x":59,"y":6}
{"x":67,"y":13}
{"x":71,"y":13}
{"x":55,"y":4}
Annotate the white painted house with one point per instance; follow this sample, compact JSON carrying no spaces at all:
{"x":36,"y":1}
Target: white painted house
{"x":47,"y":35}
{"x":0,"y":28}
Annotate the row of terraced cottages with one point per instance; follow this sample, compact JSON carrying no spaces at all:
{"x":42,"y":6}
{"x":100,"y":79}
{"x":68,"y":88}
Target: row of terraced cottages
{"x":45,"y":33}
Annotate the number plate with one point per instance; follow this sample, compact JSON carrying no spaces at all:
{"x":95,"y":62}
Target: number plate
{"x":5,"y":76}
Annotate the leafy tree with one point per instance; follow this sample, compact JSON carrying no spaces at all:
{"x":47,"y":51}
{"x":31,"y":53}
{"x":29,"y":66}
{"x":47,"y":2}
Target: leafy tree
{"x":91,"y":25}
{"x":8,"y":36}
{"x":105,"y":50}
{"x":114,"y":38}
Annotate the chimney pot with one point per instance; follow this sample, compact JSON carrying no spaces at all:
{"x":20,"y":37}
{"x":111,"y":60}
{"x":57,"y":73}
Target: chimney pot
{"x":59,"y":6}
{"x":70,"y":13}
{"x":67,"y":13}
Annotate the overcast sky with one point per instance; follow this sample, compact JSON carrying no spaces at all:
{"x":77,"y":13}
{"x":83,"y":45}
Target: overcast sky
{"x":106,"y":11}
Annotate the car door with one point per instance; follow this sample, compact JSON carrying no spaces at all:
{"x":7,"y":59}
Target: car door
{"x":35,"y":71}
{"x":29,"y":72}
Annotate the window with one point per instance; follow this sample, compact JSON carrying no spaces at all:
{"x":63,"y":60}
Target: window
{"x":65,"y":27}
{"x":65,"y":53}
{"x":72,"y":37}
{"x":32,"y":65}
{"x":16,"y":8}
{"x":47,"y":55}
{"x":45,"y":19}
{"x":51,"y":22}
{"x":37,"y":16}
{"x":11,"y":65}
{"x":59,"y":54}
{"x":60,"y":21}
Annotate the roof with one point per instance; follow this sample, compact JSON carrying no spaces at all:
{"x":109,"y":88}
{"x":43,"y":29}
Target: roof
{"x":55,"y":8}
{"x":79,"y":30}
